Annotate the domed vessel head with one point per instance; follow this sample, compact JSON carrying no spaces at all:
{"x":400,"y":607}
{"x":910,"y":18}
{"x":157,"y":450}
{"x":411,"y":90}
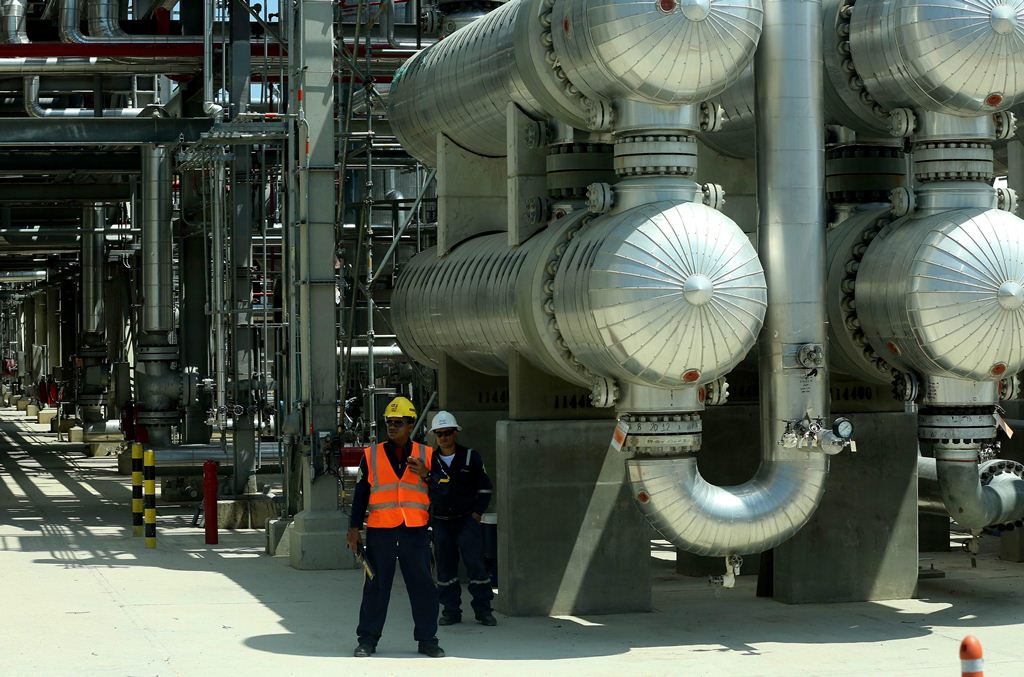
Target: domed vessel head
{"x":943,"y":295}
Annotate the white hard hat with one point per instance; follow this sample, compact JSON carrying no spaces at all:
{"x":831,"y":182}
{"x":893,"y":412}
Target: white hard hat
{"x":443,"y":420}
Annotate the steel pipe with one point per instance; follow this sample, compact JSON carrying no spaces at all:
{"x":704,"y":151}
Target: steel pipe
{"x":12,"y":276}
{"x":157,"y":281}
{"x":35,"y":110}
{"x":14,"y":22}
{"x":93,"y":66}
{"x":104,"y":27}
{"x":770,"y":508}
{"x":968,"y":501}
{"x":93,"y":218}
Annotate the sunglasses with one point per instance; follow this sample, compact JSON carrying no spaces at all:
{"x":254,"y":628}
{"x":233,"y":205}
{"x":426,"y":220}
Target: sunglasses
{"x":394,"y":422}
{"x":444,"y":433}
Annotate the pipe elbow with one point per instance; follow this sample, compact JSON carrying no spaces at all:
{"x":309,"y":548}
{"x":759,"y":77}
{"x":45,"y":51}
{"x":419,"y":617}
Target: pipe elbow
{"x":977,"y":497}
{"x":706,"y":519}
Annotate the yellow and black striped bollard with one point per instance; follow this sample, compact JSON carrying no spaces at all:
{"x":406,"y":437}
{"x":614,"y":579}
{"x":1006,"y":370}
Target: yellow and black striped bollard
{"x":149,"y":498}
{"x":136,"y":489}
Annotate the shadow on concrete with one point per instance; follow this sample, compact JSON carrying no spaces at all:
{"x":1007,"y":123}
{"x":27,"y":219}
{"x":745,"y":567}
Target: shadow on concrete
{"x":88,"y":525}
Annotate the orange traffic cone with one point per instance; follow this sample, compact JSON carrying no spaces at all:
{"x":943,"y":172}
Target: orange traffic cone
{"x":971,"y":662}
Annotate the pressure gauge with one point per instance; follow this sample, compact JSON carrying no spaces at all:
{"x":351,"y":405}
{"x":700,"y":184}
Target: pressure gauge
{"x":843,"y":427}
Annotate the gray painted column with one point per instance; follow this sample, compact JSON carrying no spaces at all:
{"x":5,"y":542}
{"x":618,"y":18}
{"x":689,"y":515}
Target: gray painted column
{"x":195,"y":335}
{"x":316,"y":537}
{"x":53,"y":351}
{"x":68,"y":324}
{"x":28,"y":338}
{"x":244,"y":433}
{"x":39,"y":340}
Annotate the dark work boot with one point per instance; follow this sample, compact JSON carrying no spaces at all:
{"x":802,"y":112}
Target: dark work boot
{"x":449,"y":619}
{"x":486,"y":619}
{"x":432,"y":650}
{"x":364,"y":651}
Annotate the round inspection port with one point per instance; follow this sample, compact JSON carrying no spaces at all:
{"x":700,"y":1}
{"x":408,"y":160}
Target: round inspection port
{"x":998,"y":369}
{"x":894,"y":349}
{"x":666,"y":6}
{"x":643,"y":497}
{"x":993,"y":100}
{"x":691,"y":375}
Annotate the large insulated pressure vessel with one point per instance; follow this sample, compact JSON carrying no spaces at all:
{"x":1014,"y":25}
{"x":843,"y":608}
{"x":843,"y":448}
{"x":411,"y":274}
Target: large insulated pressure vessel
{"x":549,"y":56}
{"x":943,"y":295}
{"x":665,"y":295}
{"x":948,"y":56}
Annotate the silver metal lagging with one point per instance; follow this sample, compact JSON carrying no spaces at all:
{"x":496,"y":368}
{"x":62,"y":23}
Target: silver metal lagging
{"x":665,"y":295}
{"x":567,"y":59}
{"x":765,"y":511}
{"x":159,"y":383}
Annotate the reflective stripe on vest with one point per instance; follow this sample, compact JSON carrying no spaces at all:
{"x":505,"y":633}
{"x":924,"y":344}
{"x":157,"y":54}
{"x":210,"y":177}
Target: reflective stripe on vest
{"x":395,"y":501}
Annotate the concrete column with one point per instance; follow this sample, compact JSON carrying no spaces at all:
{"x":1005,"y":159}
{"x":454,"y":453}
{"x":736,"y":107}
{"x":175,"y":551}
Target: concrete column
{"x":316,"y":538}
{"x":852,"y":549}
{"x":570,"y":540}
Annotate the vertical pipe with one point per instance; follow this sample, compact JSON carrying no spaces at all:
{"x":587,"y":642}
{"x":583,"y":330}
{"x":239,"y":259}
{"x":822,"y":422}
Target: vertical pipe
{"x":220,"y":368}
{"x":92,"y":272}
{"x":52,"y":328}
{"x":137,"y":500}
{"x":40,"y":367}
{"x":149,"y":497}
{"x":28,"y":309}
{"x":791,"y":230}
{"x":157,"y":281}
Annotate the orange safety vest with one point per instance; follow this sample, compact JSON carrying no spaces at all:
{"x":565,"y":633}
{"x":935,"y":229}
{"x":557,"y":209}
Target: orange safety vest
{"x":395,"y":501}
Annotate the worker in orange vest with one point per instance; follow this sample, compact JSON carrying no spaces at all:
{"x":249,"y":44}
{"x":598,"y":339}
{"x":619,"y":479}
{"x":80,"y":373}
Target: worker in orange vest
{"x":393,"y":488}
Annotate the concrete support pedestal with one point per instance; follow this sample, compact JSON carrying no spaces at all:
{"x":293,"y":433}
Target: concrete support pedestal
{"x":46,"y":415}
{"x":245,"y":512}
{"x":317,"y":538}
{"x":32,"y":410}
{"x":1011,"y":546}
{"x":570,"y":540}
{"x":861,"y":544}
{"x":933,"y":533}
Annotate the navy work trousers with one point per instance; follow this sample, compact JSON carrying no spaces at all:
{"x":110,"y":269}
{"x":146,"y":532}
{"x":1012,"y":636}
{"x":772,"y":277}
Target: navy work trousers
{"x":410,"y":547}
{"x":451,"y":537}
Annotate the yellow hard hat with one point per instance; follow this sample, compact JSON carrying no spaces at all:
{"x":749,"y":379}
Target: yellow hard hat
{"x":400,"y":407}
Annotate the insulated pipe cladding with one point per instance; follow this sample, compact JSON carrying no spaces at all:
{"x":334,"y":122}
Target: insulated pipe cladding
{"x":567,"y":59}
{"x":650,"y":301}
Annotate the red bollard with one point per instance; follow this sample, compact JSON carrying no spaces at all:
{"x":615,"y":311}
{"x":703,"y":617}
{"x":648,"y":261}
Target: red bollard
{"x":210,"y":501}
{"x":971,"y":662}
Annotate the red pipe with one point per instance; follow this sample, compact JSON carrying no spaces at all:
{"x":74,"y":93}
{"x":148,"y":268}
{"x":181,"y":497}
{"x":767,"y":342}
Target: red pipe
{"x":210,"y":501}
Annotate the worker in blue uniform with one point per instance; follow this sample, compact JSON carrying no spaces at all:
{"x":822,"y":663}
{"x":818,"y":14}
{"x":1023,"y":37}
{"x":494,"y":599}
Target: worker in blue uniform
{"x":392,"y":494}
{"x":460,"y":492}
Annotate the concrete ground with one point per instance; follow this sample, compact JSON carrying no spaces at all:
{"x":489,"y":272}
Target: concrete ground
{"x":81,"y":596}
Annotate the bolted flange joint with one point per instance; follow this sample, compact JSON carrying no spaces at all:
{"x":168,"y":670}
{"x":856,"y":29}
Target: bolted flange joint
{"x":600,"y":198}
